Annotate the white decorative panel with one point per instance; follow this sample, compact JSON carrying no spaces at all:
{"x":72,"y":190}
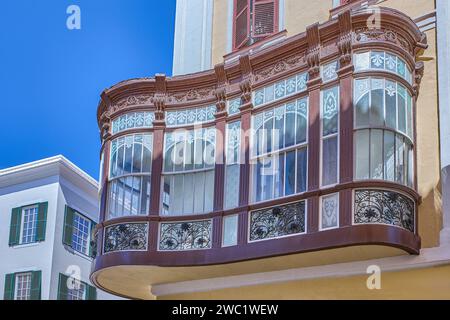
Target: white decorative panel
{"x":330,"y":211}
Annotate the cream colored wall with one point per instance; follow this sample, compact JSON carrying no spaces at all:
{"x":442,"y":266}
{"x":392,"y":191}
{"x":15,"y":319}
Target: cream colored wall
{"x":430,"y":283}
{"x":220,"y":31}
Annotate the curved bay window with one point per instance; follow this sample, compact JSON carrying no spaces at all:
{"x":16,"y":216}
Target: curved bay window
{"x":130,"y":169}
{"x":384,"y":131}
{"x":188,"y":174}
{"x":280,"y":151}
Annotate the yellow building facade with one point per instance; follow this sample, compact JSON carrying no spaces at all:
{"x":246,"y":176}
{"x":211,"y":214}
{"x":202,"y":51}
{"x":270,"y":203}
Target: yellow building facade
{"x":405,"y":260}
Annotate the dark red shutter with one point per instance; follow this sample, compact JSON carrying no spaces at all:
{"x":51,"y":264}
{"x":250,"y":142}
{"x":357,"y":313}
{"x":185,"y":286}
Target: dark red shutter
{"x":265,"y":18}
{"x":241,"y":23}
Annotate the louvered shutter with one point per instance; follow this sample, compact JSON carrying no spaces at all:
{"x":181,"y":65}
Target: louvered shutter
{"x":241,"y":23}
{"x":265,"y":18}
{"x":41,"y":221}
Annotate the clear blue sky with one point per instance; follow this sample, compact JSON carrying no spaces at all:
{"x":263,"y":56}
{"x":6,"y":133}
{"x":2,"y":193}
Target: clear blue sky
{"x":51,"y":77}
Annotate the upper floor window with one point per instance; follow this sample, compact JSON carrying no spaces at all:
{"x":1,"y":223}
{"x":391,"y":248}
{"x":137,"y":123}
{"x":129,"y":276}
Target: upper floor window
{"x":77,"y":232}
{"x":385,"y":130}
{"x":130,"y":168}
{"x":253,"y":20}
{"x":280,"y":151}
{"x":28,"y":224}
{"x":188,"y":174}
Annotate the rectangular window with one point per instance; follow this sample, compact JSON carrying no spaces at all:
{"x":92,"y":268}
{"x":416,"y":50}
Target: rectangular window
{"x":330,"y":134}
{"x":29,"y":225}
{"x":77,"y":291}
{"x":81,"y":234}
{"x":23,"y":286}
{"x":329,"y":213}
{"x":232,"y":168}
{"x":279,"y":151}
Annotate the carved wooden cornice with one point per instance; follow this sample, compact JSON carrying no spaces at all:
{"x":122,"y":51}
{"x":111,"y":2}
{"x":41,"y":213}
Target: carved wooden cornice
{"x":334,"y":39}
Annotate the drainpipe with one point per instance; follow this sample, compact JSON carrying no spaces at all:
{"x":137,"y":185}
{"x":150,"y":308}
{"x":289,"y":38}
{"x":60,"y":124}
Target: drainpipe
{"x":443,"y":41}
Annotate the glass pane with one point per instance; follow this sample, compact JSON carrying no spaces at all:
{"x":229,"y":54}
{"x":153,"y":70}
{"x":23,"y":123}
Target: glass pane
{"x":376,"y":154}
{"x":377,"y":60}
{"x":127,"y":197}
{"x":137,"y":158}
{"x":128,"y":154}
{"x":302,"y":169}
{"x":329,"y":161}
{"x":279,"y":175}
{"x":268,"y":131}
{"x":278,"y":133}
{"x":409,"y":116}
{"x":231,"y":196}
{"x":280,"y":89}
{"x":145,"y":195}
{"x":209,"y":191}
{"x":268,"y":177}
{"x":199,"y":147}
{"x":120,"y":157}
{"x":362,"y":61}
{"x":179,"y":156}
{"x":389,"y":156}
{"x":189,"y":156}
{"x":391,"y":102}
{"x":258,"y":179}
{"x":410,"y":166}
{"x":199,"y":191}
{"x":120,"y":196}
{"x":290,"y":173}
{"x":301,"y":128}
{"x":289,"y":134}
{"x":188,"y":204}
{"x":135,"y":197}
{"x":176,"y":199}
{"x":230,"y":227}
{"x":269,"y":94}
{"x":376,"y":106}
{"x":362,"y":103}
{"x":330,"y":109}
{"x":362,"y":154}
{"x":391,"y":62}
{"x":400,"y":160}
{"x":401,"y":109}
{"x":166,"y":195}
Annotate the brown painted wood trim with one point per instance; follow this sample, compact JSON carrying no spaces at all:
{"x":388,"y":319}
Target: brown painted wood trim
{"x":157,"y":167}
{"x":367,"y":234}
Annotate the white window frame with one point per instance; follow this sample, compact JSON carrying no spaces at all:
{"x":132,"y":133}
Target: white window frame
{"x":22,"y":223}
{"x":88,"y":240}
{"x":16,"y":287}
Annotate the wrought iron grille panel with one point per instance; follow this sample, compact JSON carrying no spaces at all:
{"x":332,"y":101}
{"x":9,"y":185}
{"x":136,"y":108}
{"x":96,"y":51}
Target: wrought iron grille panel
{"x":386,"y":207}
{"x":126,"y":236}
{"x":277,"y":221}
{"x":185,"y":235}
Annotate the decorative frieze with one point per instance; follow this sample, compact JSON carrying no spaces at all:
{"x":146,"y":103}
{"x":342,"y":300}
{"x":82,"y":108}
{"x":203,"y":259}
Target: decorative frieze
{"x":277,"y":221}
{"x":126,"y":236}
{"x":385,"y":207}
{"x":185,"y":235}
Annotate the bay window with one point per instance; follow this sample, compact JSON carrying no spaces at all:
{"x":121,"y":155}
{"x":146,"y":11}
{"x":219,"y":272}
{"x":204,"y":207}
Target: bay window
{"x":188,"y":174}
{"x":130,"y":169}
{"x":279,"y":155}
{"x":384,"y":137}
{"x":330,"y":135}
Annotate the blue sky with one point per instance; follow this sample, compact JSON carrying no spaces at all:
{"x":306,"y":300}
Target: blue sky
{"x":51,"y":77}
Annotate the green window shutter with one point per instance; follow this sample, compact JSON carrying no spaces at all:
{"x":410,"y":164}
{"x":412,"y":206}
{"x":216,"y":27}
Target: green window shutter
{"x":68,"y":226}
{"x":36,"y":285}
{"x":93,"y":244}
{"x":14,"y":230}
{"x":62,"y":287}
{"x":41,"y":221}
{"x":10,"y":280}
{"x":91,"y":293}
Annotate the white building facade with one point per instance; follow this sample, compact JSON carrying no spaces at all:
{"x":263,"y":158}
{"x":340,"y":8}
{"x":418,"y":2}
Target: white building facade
{"x":49,"y":209}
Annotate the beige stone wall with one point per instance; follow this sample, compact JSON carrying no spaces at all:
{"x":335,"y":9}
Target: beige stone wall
{"x":431,"y":283}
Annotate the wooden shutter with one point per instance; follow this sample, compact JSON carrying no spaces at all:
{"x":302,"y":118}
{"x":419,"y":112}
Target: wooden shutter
{"x":41,"y":221}
{"x":265,"y":18}
{"x":68,"y":226}
{"x":10,"y":280}
{"x":14,"y":229}
{"x":35,"y":293}
{"x":62,"y":287}
{"x":241,"y":23}
{"x":91,"y":292}
{"x":92,"y":242}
